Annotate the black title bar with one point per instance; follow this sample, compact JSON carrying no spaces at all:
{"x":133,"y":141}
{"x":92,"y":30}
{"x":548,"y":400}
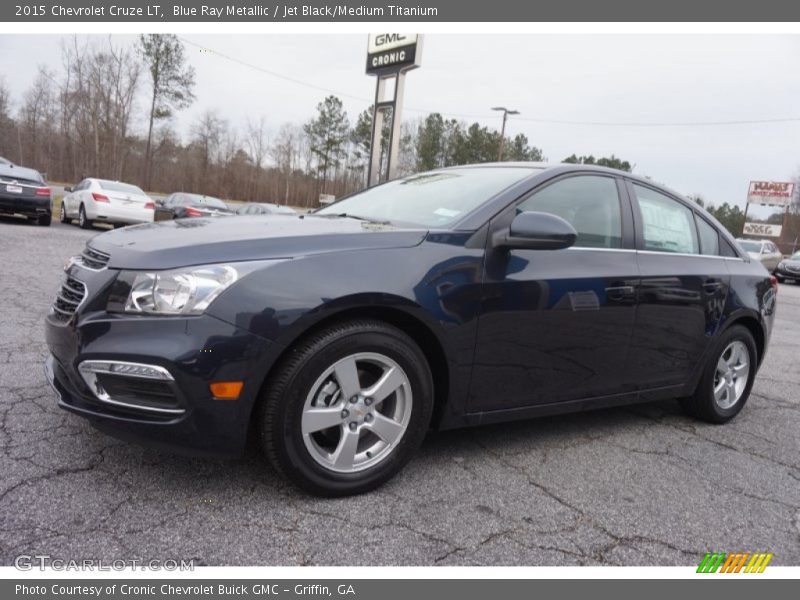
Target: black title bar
{"x":414,"y":11}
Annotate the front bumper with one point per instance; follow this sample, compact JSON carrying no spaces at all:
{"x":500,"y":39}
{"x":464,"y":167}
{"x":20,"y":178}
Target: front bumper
{"x":785,"y":273}
{"x":196,"y":351}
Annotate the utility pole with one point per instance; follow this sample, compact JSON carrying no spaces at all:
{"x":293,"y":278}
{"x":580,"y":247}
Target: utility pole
{"x":506,"y":112}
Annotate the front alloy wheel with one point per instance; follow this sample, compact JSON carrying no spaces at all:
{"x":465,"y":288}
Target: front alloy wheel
{"x":347,"y":408}
{"x":357,"y":412}
{"x":62,"y":214}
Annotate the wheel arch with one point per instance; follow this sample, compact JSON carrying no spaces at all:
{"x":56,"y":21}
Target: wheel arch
{"x":744,"y":318}
{"x":423,"y":334}
{"x":756,"y":329}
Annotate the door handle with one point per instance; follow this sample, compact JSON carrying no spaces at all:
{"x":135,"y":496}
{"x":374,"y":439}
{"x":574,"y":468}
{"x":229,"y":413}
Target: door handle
{"x":619,"y":292}
{"x":711,"y":286}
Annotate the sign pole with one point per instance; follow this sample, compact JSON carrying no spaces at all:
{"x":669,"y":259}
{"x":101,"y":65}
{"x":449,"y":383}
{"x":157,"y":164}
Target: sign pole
{"x":395,"y":134}
{"x":744,"y":221}
{"x":389,"y":56}
{"x":374,"y":174}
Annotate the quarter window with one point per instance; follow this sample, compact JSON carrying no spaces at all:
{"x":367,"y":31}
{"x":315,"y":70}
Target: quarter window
{"x":668,"y":225}
{"x":709,"y":238}
{"x":589,"y":203}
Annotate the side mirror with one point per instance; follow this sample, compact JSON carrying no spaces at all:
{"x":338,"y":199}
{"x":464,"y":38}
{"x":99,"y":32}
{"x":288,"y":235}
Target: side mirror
{"x":536,"y":231}
{"x":68,"y":189}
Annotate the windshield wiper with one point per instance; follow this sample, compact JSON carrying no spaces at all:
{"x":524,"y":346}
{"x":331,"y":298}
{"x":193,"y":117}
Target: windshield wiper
{"x":357,"y":217}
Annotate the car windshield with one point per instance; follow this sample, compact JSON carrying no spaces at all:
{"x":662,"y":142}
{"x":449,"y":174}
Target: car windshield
{"x":795,"y":256}
{"x":116,"y":186}
{"x":207,"y":200}
{"x":433,"y":199}
{"x":20,"y":174}
{"x":748,"y":246}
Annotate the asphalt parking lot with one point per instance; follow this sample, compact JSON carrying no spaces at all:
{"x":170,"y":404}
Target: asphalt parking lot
{"x":635,"y":486}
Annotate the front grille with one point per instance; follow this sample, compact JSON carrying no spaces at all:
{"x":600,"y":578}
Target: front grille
{"x":94,"y":259}
{"x":68,"y":298}
{"x":793,"y":269}
{"x":138,"y":392}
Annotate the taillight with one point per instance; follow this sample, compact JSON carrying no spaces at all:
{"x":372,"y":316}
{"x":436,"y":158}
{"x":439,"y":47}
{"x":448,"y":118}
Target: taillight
{"x":193,"y":212}
{"x":774,"y":281}
{"x":99,"y":197}
{"x":43,"y":191}
{"x":150,"y":205}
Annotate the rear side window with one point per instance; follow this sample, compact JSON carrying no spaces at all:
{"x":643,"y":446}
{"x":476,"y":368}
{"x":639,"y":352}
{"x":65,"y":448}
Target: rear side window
{"x":589,"y":203}
{"x":668,"y":225}
{"x":709,"y":237}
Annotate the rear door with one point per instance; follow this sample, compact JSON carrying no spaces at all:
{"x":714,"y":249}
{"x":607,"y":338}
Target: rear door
{"x":684,"y":286}
{"x":555,"y":325}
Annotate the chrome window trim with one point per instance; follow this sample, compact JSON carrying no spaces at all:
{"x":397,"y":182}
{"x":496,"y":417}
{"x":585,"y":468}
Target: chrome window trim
{"x":653,"y":252}
{"x":656,"y":252}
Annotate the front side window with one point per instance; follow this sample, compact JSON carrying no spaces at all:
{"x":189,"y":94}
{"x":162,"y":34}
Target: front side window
{"x":668,"y":225}
{"x":590,"y":203}
{"x":709,"y":238}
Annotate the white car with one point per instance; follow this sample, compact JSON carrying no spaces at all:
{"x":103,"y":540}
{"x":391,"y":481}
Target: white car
{"x":764,"y":251}
{"x":102,"y":201}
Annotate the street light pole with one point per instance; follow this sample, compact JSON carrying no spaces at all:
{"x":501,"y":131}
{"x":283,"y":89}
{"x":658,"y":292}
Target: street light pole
{"x":506,"y":112}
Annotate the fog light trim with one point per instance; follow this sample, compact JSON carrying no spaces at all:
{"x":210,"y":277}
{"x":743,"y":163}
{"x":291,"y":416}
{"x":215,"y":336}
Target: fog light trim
{"x":90,"y":368}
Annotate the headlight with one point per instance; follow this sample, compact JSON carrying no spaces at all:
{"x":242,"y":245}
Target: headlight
{"x":188,"y":291}
{"x":781,"y":265}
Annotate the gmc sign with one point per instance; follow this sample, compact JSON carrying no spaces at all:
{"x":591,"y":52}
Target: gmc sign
{"x":392,"y":52}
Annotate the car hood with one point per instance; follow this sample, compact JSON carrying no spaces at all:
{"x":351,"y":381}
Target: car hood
{"x":200,"y":240}
{"x":788,"y":262}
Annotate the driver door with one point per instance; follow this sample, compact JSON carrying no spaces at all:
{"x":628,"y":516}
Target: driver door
{"x":556,"y":325}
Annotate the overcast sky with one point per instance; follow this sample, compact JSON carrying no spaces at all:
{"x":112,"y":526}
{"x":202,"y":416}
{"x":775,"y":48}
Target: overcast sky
{"x":597,"y":78}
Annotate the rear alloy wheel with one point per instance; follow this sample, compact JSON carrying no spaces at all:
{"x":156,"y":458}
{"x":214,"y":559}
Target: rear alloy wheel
{"x":728,"y":377}
{"x":348,"y":408}
{"x":83,"y":222}
{"x":45,"y":220}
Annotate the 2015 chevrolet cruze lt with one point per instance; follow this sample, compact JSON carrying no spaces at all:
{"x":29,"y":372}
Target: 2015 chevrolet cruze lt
{"x":457,"y":297}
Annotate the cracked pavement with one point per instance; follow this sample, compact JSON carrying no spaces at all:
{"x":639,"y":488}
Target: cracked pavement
{"x":643,"y":485}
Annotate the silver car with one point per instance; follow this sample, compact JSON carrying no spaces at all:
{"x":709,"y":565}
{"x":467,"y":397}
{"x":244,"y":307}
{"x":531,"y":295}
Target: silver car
{"x":764,"y":251}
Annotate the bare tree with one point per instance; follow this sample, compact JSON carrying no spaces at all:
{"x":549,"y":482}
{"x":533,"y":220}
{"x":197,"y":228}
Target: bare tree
{"x":7,"y":124}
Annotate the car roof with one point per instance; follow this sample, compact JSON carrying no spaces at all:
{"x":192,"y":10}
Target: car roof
{"x":544,"y":167}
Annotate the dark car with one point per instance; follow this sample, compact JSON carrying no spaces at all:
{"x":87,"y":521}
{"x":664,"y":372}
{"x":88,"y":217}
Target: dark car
{"x":184,"y":205}
{"x":263,"y":208}
{"x":789,"y":269}
{"x":457,"y":297}
{"x":24,"y":192}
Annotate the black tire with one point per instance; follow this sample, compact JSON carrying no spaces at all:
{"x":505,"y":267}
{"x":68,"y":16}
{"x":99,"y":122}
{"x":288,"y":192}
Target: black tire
{"x":702,"y":404}
{"x":83,"y":222}
{"x":62,"y":214}
{"x":283,"y":400}
{"x":779,"y":278}
{"x":45,"y":220}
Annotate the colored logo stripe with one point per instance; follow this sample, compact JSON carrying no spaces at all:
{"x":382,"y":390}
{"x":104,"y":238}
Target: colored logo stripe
{"x":734,"y":562}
